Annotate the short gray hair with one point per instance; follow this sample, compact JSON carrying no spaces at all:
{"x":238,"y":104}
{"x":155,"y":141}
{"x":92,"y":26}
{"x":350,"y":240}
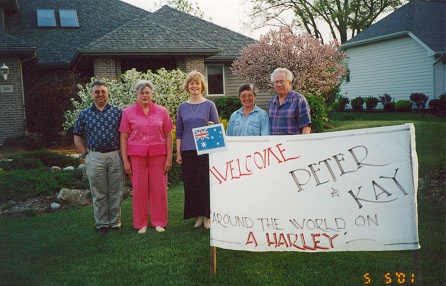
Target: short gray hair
{"x":140,"y":85}
{"x":289,"y":74}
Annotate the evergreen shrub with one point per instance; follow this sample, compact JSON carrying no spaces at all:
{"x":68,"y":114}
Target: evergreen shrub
{"x":227,"y":105}
{"x":357,"y":103}
{"x":419,"y":99}
{"x":371,"y":102}
{"x":403,"y":105}
{"x":387,"y":102}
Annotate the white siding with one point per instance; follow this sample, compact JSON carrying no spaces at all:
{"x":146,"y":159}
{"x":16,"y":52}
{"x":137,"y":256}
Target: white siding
{"x":398,"y":67}
{"x":440,"y":79}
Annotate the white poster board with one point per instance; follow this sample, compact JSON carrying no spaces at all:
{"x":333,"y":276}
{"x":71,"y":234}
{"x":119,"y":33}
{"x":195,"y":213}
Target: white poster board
{"x":337,"y":191}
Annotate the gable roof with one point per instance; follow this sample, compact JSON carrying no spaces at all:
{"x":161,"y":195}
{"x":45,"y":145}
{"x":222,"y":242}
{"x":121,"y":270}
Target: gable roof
{"x":57,"y":46}
{"x":424,"y":19}
{"x":114,"y":27}
{"x":228,"y":41}
{"x":145,"y":37}
{"x":11,"y":44}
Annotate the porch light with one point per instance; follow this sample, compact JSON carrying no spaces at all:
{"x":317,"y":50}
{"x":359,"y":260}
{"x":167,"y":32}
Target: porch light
{"x":4,"y":71}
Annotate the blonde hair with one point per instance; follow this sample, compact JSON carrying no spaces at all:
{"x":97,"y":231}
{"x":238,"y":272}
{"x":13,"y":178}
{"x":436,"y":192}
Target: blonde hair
{"x":198,"y":76}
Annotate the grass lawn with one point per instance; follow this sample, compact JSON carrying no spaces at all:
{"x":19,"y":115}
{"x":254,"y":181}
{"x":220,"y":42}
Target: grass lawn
{"x":63,"y":249}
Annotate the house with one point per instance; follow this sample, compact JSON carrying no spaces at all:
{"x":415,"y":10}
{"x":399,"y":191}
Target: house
{"x":403,"y":53}
{"x":43,"y":40}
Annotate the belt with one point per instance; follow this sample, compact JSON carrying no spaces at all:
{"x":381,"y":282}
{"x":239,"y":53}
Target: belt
{"x":105,"y":150}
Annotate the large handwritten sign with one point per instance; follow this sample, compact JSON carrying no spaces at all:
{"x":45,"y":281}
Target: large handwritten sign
{"x":338,"y":191}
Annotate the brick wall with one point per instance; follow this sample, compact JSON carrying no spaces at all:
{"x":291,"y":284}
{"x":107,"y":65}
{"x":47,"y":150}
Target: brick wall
{"x":188,"y":64}
{"x":107,"y":68}
{"x":12,"y":113}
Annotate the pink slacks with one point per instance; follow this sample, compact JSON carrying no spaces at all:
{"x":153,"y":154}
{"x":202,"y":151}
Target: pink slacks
{"x":149,"y":184}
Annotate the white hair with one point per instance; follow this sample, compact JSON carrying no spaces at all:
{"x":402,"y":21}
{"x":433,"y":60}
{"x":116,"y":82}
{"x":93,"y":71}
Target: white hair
{"x":289,"y":74}
{"x":140,"y":85}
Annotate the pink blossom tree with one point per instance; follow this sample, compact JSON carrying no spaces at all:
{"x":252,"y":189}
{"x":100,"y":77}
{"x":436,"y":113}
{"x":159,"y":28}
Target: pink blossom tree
{"x":317,"y":68}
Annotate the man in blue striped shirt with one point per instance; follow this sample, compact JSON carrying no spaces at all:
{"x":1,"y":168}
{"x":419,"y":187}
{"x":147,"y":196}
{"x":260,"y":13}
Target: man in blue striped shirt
{"x":289,"y":111}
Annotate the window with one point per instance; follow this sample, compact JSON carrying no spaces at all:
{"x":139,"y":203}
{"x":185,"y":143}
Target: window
{"x":46,"y":18}
{"x":215,"y":78}
{"x":68,"y":18}
{"x":347,"y":76}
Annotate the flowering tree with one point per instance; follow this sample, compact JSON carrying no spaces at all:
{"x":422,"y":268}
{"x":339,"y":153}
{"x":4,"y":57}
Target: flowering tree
{"x":168,"y":92}
{"x":317,"y":68}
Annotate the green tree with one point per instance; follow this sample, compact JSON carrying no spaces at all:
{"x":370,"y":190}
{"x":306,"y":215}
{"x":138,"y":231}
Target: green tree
{"x":344,"y":18}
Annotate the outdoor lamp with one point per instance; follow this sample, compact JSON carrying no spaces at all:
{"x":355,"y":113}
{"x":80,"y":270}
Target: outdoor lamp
{"x":4,"y":71}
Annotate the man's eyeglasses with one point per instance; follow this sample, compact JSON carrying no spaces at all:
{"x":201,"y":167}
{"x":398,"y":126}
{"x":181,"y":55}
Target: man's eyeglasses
{"x":100,"y":91}
{"x":281,"y":82}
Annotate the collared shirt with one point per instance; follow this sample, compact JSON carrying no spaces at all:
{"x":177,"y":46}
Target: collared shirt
{"x":146,"y":132}
{"x":100,"y":127}
{"x":255,"y":123}
{"x":291,"y":116}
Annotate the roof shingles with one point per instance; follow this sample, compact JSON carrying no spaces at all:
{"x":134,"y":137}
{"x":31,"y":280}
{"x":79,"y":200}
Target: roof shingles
{"x":112,"y":26}
{"x":424,"y":19}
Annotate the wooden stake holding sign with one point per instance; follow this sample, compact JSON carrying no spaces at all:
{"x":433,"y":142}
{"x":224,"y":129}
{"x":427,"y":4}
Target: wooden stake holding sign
{"x":213,"y":260}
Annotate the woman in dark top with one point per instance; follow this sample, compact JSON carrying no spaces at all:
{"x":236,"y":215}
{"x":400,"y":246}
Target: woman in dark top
{"x":196,"y":112}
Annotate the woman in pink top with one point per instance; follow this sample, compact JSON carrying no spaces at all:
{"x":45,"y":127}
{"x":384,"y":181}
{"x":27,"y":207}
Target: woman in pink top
{"x":146,"y":148}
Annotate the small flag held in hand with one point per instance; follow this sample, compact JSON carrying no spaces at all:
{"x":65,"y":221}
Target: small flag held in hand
{"x":209,"y":139}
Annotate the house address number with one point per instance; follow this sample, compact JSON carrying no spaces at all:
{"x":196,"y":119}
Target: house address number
{"x":6,"y":89}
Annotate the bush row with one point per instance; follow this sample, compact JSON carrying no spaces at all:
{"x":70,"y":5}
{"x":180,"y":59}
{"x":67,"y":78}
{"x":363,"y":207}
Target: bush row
{"x":418,"y":100}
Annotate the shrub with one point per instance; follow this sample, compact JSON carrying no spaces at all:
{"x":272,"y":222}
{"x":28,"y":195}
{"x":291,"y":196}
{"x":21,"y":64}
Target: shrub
{"x":50,"y":158}
{"x":24,"y":184}
{"x":25,"y":142}
{"x":387,"y":102}
{"x":28,"y":175}
{"x":319,"y":113}
{"x":438,"y":105}
{"x":371,"y":102}
{"x":419,"y":99}
{"x":227,"y":105}
{"x":357,"y":103}
{"x":168,"y":92}
{"x":224,"y":122}
{"x":341,"y":103}
{"x":22,"y":164}
{"x":46,"y":107}
{"x":403,"y":105}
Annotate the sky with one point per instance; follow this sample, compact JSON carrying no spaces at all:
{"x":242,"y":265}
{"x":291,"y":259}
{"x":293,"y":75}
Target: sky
{"x":225,"y":13}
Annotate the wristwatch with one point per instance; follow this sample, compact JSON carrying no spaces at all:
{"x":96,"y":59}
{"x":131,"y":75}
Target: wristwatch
{"x":84,"y":155}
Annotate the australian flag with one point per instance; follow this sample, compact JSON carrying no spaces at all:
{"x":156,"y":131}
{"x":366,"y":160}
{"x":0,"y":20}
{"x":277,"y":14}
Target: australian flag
{"x":209,"y":139}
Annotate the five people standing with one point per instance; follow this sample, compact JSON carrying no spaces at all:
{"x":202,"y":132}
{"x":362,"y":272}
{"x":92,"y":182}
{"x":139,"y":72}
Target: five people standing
{"x":144,"y":138}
